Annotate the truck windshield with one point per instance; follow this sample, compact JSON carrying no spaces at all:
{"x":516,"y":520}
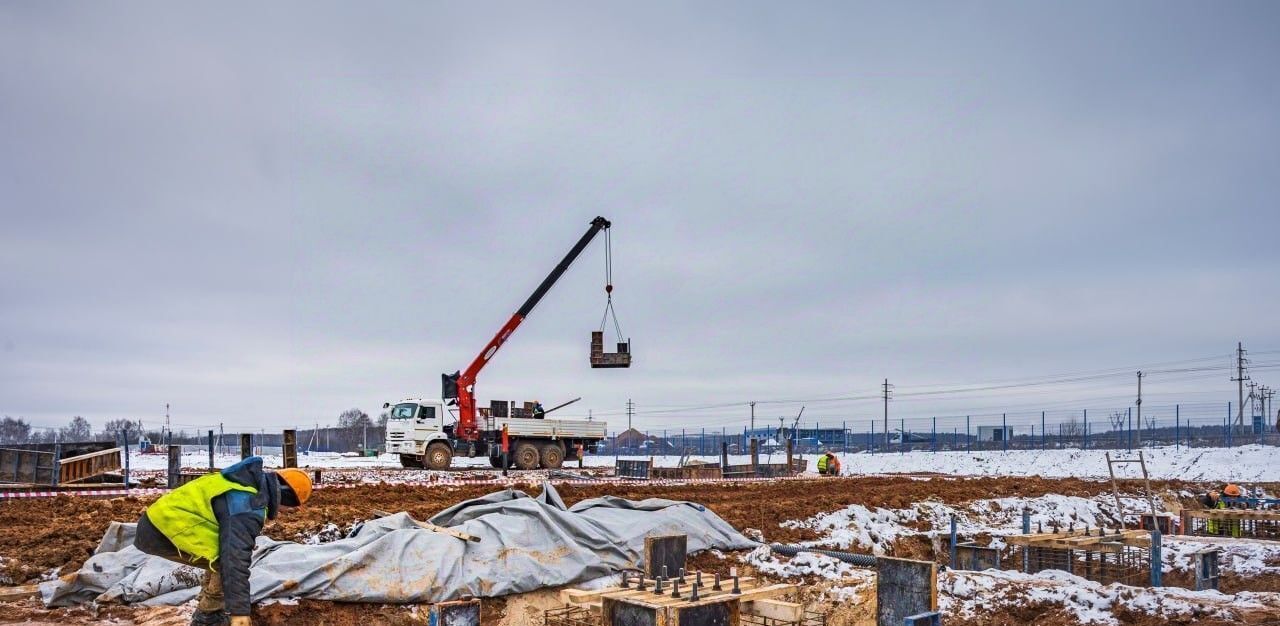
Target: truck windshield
{"x":403,"y":411}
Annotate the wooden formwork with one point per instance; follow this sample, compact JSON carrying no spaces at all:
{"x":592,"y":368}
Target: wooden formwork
{"x":41,"y":467}
{"x":644,"y":605}
{"x":86,"y":466}
{"x":1122,"y":556}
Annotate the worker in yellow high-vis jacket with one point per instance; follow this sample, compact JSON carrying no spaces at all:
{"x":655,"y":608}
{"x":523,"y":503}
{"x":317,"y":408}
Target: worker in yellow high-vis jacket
{"x":212,"y":523}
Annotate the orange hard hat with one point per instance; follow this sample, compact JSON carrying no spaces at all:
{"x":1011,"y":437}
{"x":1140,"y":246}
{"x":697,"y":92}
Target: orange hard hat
{"x":1232,"y":490}
{"x":298,"y":481}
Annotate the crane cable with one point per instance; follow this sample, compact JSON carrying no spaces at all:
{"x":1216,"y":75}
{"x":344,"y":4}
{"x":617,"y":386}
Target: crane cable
{"x":608,"y":285}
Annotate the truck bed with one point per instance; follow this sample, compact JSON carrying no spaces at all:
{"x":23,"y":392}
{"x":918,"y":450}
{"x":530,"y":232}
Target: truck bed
{"x":548,"y":428}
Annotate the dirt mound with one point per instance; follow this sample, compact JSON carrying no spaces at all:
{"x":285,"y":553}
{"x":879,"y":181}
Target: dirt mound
{"x":40,"y":534}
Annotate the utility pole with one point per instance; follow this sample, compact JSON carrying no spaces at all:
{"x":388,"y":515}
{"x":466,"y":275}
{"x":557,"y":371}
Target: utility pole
{"x":886,"y":391}
{"x":1240,"y":378}
{"x":631,"y":410}
{"x":753,"y":418}
{"x":1253,"y":402}
{"x":167,"y":427}
{"x":1270,"y":394}
{"x":1140,"y":408}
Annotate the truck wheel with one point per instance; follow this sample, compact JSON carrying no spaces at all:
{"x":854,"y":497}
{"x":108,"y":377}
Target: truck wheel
{"x":439,"y":456}
{"x":410,"y":461}
{"x":552,"y":456}
{"x":526,"y":457}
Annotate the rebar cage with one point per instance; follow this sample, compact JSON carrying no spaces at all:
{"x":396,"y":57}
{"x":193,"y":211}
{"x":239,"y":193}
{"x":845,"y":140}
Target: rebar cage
{"x":1113,"y":563}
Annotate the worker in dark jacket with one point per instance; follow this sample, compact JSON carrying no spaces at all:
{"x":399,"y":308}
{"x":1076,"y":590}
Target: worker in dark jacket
{"x":212,"y":523}
{"x":538,"y":411}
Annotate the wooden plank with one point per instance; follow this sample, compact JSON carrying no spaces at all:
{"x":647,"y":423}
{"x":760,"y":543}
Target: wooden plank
{"x":1235,"y":514}
{"x":774,"y":609}
{"x":11,"y":594}
{"x":85,"y":466}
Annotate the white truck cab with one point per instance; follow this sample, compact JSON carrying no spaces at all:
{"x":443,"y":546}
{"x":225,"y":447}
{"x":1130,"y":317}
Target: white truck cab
{"x":413,"y":425}
{"x":421,"y":432}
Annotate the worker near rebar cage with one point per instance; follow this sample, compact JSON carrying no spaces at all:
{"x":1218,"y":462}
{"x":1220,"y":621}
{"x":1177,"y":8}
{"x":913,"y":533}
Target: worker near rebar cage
{"x":212,"y":523}
{"x":828,"y":464}
{"x":1213,"y":500}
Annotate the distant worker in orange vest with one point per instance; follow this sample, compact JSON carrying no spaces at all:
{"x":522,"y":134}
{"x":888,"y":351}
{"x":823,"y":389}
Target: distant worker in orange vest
{"x":829,"y":464}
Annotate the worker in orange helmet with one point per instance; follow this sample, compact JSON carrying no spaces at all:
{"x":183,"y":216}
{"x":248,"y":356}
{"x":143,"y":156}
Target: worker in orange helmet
{"x":1232,"y":490}
{"x":212,"y":523}
{"x":829,"y":464}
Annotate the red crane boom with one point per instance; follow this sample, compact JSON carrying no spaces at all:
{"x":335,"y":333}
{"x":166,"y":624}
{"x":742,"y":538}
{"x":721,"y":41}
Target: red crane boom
{"x":461,"y":386}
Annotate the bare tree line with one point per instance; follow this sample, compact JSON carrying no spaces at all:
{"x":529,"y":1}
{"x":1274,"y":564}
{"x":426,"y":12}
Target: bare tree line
{"x":354,"y":428}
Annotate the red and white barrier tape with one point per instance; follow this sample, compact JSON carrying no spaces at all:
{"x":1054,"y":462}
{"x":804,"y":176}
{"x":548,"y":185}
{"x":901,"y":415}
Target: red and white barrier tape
{"x":509,"y":481}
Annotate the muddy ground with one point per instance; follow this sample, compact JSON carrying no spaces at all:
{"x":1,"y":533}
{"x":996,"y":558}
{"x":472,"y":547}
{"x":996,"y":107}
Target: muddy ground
{"x":40,"y":535}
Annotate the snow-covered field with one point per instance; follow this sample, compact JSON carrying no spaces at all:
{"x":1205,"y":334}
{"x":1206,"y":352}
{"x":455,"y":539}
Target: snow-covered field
{"x":967,"y":594}
{"x":1249,"y":463}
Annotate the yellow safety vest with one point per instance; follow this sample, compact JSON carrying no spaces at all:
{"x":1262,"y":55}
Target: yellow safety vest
{"x":185,"y":515}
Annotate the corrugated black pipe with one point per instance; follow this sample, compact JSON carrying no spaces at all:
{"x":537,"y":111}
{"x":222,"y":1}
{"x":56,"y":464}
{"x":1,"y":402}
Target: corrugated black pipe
{"x":861,"y":560}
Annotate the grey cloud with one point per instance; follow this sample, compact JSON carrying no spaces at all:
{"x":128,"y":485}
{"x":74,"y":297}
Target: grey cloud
{"x":267,"y":214}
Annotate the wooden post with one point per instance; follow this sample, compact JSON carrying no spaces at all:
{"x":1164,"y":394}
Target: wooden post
{"x":124,"y":438}
{"x":755,"y":456}
{"x":246,"y":445}
{"x":290,"y":448}
{"x":790,"y":445}
{"x":724,"y":456}
{"x":56,"y":470}
{"x":175,"y":464}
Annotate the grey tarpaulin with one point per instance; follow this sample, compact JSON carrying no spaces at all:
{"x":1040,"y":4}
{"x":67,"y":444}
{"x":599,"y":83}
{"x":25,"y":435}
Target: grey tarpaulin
{"x":526,"y":543}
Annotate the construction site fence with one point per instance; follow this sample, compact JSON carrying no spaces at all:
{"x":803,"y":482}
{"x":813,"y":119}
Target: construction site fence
{"x":1178,"y":425}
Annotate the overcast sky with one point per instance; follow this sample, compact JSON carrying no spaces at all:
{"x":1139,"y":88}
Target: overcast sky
{"x":264,"y":215}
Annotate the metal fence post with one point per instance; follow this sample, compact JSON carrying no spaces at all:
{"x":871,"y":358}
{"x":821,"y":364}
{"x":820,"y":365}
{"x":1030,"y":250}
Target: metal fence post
{"x":1177,"y":427}
{"x":1042,"y":430}
{"x":1004,"y":426}
{"x":124,"y":436}
{"x":1130,"y":444}
{"x":1226,"y":430}
{"x":902,"y":434}
{"x":211,"y":465}
{"x":968,"y":441}
{"x":1086,"y":429}
{"x":952,"y":562}
{"x":1155,"y":556}
{"x":871,"y":438}
{"x":1026,"y":530}
{"x":844,"y":427}
{"x":933,"y":442}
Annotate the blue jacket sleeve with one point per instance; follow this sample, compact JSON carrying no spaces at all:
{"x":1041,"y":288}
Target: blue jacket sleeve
{"x":239,"y":524}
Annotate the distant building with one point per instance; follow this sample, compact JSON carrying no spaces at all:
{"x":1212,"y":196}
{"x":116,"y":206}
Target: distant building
{"x":995,"y":433}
